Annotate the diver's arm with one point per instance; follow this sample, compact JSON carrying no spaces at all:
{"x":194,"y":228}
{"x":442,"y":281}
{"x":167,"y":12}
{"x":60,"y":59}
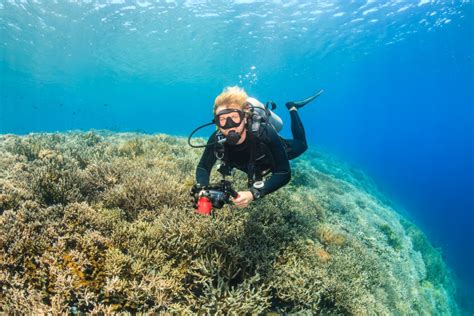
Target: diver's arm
{"x":281,"y":174}
{"x":208,"y":159}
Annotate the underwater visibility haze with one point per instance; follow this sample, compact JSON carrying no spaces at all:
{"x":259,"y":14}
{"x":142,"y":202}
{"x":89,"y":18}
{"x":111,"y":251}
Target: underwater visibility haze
{"x":397,"y":112}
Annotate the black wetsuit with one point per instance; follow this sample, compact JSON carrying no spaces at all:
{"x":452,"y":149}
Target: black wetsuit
{"x":271,"y":153}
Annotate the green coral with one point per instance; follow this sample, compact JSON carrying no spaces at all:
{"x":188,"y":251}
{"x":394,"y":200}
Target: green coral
{"x":99,"y":222}
{"x":392,"y":238}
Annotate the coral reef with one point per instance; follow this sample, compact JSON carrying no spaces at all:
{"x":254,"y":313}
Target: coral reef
{"x":101,"y":222}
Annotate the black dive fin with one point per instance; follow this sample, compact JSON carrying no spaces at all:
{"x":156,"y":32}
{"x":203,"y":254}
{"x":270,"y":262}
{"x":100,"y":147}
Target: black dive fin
{"x":300,"y":104}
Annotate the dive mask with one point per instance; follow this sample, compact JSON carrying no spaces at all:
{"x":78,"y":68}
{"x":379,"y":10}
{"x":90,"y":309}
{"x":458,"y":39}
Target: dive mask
{"x":229,"y":118}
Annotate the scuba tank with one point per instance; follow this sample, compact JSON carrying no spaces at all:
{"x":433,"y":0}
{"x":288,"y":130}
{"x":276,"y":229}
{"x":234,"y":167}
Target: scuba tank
{"x":263,"y":114}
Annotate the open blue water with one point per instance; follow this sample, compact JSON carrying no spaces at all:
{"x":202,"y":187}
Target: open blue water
{"x":398,"y":78}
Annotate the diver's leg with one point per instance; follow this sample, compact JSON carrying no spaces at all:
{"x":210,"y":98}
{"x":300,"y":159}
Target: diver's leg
{"x":298,"y":144}
{"x":297,"y":128}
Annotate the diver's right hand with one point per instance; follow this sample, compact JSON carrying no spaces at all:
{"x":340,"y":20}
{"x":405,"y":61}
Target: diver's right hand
{"x":197,"y":189}
{"x":195,"y":192}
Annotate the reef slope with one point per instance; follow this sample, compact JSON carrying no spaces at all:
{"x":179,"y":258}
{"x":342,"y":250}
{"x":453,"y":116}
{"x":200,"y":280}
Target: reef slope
{"x":101,"y":222}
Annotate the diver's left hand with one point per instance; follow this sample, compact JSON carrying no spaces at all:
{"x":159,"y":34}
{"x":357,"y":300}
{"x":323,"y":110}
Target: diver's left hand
{"x":244,"y":199}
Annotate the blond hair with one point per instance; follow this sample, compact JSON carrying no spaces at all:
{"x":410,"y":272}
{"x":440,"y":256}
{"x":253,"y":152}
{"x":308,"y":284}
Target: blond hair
{"x":231,"y":96}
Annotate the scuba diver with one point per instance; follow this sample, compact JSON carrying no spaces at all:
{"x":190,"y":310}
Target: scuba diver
{"x":247,"y":139}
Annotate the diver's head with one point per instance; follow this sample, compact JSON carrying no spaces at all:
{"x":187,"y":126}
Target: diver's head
{"x":231,"y":96}
{"x":230,"y":114}
{"x":231,"y":121}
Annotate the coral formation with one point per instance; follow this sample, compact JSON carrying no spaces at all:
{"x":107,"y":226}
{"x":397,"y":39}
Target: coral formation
{"x":101,"y":222}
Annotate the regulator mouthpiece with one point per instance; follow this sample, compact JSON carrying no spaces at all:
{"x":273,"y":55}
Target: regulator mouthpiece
{"x":233,"y":138}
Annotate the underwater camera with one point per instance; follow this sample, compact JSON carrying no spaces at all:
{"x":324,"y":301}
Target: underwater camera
{"x":212,"y":196}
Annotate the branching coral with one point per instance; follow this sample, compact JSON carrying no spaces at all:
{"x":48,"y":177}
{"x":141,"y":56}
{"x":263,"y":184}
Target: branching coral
{"x":101,"y":222}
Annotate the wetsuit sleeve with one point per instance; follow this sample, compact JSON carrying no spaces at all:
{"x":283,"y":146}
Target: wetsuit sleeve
{"x":281,"y":173}
{"x":208,"y":159}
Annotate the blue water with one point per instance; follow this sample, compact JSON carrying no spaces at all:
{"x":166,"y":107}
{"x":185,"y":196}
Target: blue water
{"x":398,"y":79}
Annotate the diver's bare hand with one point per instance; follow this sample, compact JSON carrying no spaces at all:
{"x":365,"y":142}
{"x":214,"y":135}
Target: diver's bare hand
{"x":243,"y":200}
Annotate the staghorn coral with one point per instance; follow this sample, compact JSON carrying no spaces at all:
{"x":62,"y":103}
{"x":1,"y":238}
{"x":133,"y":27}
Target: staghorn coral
{"x":99,"y":222}
{"x":329,"y":235}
